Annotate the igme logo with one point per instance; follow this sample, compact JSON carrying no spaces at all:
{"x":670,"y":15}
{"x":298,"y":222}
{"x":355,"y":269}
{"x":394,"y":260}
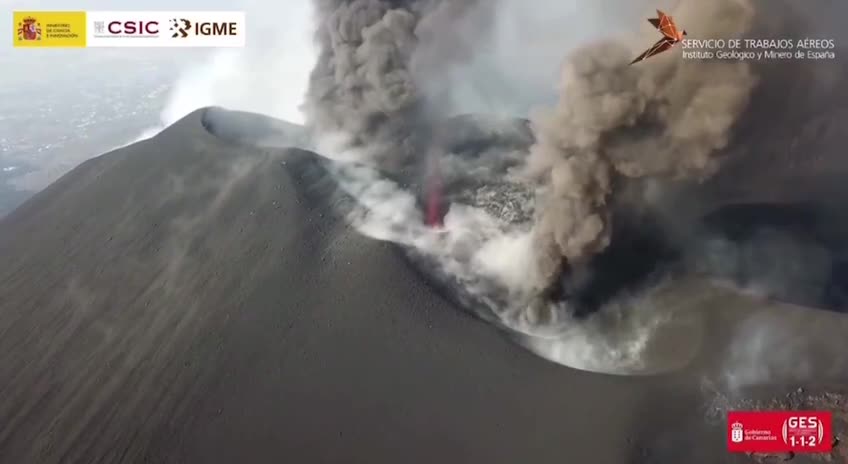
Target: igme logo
{"x":180,"y":28}
{"x":224,"y":29}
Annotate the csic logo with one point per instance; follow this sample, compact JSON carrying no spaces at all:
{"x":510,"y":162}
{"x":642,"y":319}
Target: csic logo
{"x":182,"y":27}
{"x":29,"y":29}
{"x":134,"y":28}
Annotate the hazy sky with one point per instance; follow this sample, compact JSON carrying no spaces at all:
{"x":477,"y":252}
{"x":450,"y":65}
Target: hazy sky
{"x":59,"y":107}
{"x":56,"y":97}
{"x":515,"y":67}
{"x":51,"y":100}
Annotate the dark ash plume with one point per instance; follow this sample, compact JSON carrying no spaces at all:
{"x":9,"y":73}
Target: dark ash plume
{"x":665,"y":118}
{"x":366,"y":87}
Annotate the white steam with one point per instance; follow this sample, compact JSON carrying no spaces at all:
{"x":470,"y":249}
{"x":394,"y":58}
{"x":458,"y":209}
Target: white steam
{"x":269,"y":76}
{"x":504,"y":267}
{"x":494,"y":264}
{"x":783,"y":344}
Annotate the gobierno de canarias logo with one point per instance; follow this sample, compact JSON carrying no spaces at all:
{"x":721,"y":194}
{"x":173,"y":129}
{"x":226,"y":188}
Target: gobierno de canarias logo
{"x":49,"y":29}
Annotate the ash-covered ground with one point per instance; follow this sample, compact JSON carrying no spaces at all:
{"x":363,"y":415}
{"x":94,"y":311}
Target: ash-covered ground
{"x":705,"y":313}
{"x":238,"y":287}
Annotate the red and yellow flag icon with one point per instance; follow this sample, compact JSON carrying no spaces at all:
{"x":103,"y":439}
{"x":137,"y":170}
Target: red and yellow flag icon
{"x":49,"y":29}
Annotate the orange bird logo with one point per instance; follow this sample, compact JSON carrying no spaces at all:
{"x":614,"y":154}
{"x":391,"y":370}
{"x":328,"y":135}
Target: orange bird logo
{"x":671,"y":36}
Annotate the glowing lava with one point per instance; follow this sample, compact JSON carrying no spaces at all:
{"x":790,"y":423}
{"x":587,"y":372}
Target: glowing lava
{"x":434,"y":194}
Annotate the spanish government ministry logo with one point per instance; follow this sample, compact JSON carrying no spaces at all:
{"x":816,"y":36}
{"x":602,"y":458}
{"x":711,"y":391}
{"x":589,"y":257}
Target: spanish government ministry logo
{"x":736,"y":433}
{"x":29,"y":29}
{"x":42,"y":29}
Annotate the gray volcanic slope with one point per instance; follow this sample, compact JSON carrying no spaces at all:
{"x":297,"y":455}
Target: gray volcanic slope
{"x":180,"y":300}
{"x":186,"y":299}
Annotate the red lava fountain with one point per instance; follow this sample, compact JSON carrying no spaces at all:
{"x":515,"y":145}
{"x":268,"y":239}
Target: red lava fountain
{"x":434,"y":194}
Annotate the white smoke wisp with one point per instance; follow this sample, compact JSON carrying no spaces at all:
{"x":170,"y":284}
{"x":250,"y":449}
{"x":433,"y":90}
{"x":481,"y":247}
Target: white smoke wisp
{"x":472,"y":246}
{"x":767,"y":339}
{"x":781,"y":344}
{"x":766,"y":350}
{"x":269,"y":76}
{"x":493,"y":263}
{"x":656,"y":330}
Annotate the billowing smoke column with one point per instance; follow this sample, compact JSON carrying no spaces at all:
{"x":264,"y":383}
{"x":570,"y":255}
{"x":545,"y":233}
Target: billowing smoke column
{"x":376,"y":86}
{"x":664,"y":117}
{"x":371,"y":85}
